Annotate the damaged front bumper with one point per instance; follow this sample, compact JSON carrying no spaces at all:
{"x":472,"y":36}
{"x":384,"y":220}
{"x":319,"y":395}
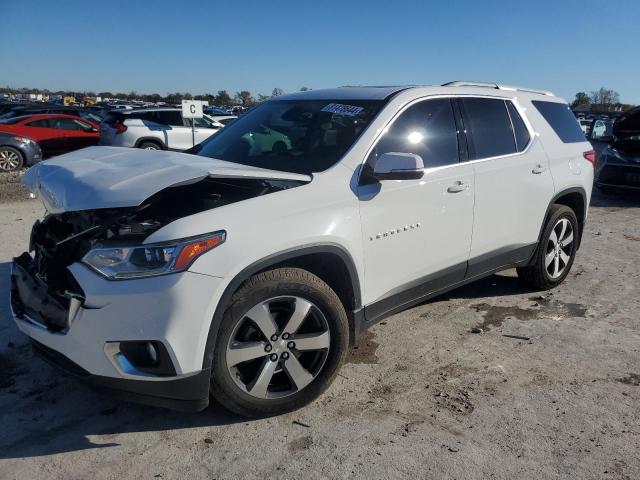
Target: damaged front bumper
{"x":91,"y":334}
{"x":54,"y":312}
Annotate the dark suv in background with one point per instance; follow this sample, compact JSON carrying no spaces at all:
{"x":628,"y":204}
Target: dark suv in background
{"x":618,"y":144}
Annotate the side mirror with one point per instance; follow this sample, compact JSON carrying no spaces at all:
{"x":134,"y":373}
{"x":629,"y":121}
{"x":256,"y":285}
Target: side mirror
{"x":399,"y":166}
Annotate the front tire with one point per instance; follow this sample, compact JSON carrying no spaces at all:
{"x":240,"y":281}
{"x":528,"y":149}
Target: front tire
{"x":280,"y":344}
{"x":555,"y":253}
{"x":11,"y":159}
{"x":149,"y":146}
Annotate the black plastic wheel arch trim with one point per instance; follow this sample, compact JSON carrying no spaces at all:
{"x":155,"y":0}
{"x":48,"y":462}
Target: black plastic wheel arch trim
{"x":265,"y":263}
{"x":581,"y":221}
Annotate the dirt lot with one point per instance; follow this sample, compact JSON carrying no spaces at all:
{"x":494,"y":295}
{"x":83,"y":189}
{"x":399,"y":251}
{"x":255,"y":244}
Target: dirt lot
{"x":550,"y":389}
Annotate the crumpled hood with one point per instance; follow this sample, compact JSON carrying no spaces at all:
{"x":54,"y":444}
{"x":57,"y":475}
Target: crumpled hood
{"x":111,"y":177}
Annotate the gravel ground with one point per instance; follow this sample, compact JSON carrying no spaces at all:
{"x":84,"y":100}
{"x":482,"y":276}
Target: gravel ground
{"x":550,"y":389}
{"x":11,"y":189}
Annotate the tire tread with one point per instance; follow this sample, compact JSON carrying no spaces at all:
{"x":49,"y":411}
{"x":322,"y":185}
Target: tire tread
{"x":233,"y":402}
{"x":535,"y":274}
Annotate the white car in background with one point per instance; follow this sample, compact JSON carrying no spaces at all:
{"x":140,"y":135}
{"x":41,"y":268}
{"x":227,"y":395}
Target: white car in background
{"x":585,"y":125}
{"x":155,"y":129}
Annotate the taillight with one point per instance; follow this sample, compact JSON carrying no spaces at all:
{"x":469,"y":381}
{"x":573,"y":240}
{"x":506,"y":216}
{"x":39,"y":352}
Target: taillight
{"x":591,"y":156}
{"x":120,"y":127}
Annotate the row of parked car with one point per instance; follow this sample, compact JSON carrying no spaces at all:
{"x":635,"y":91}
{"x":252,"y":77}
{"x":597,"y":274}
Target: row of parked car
{"x":30,"y":133}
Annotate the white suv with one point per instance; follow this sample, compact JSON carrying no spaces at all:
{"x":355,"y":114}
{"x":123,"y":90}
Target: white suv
{"x":155,"y":129}
{"x":245,"y":272}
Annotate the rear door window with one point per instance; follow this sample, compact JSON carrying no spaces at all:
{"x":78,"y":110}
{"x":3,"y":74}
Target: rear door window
{"x":113,"y":118}
{"x":427,"y":129}
{"x":562,"y":121}
{"x":520,"y":131}
{"x":489,"y":129}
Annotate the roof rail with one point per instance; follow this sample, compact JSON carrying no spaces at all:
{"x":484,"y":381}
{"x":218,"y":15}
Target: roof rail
{"x":463,"y":83}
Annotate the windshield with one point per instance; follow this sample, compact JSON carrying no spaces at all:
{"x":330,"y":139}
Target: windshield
{"x":92,"y":117}
{"x":292,"y":135}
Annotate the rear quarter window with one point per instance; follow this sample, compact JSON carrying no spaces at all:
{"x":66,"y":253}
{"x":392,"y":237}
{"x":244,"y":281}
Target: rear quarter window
{"x":561,"y":120}
{"x":170,"y":117}
{"x":148,"y":116}
{"x":113,"y":118}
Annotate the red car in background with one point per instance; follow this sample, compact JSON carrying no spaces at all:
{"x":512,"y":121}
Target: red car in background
{"x":55,"y":133}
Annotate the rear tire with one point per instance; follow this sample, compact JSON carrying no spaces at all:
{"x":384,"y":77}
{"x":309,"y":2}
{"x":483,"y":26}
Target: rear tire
{"x":149,"y":146}
{"x":556,"y":251}
{"x":11,"y":159}
{"x":294,"y":300}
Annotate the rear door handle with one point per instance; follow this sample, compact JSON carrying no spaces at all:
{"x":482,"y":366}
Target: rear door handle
{"x":458,"y":187}
{"x":538,"y":169}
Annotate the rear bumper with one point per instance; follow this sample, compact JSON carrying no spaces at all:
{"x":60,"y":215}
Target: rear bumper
{"x":618,"y":186}
{"x":626,"y":175}
{"x":189,"y":393}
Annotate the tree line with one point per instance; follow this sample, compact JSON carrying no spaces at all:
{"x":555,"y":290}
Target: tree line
{"x":221,"y":98}
{"x":603,"y":99}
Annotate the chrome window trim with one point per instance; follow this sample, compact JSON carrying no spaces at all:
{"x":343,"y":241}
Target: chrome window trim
{"x":533,"y":135}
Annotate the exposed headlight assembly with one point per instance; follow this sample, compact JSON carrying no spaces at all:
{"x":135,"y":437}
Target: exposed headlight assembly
{"x":121,"y":263}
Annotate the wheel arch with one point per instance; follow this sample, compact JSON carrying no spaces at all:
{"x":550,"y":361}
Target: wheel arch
{"x":330,"y":262}
{"x":155,"y":140}
{"x":574,"y":198}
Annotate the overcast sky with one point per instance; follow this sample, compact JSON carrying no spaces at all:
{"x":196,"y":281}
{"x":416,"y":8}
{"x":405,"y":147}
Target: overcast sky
{"x":202,"y":46}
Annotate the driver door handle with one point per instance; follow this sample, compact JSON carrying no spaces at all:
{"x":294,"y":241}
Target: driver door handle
{"x":457,"y":187}
{"x":538,"y":169}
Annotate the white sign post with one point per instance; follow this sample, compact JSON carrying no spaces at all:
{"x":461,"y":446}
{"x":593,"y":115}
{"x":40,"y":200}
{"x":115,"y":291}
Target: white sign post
{"x":192,"y":109}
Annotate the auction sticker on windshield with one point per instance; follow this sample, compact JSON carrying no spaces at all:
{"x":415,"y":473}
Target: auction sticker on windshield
{"x":340,"y":109}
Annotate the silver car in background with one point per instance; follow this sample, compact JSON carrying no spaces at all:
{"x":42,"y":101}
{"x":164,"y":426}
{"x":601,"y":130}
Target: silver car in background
{"x":17,"y":151}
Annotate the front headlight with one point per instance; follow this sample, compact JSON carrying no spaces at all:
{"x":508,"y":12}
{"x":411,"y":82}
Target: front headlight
{"x":24,"y":140}
{"x":120,"y":263}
